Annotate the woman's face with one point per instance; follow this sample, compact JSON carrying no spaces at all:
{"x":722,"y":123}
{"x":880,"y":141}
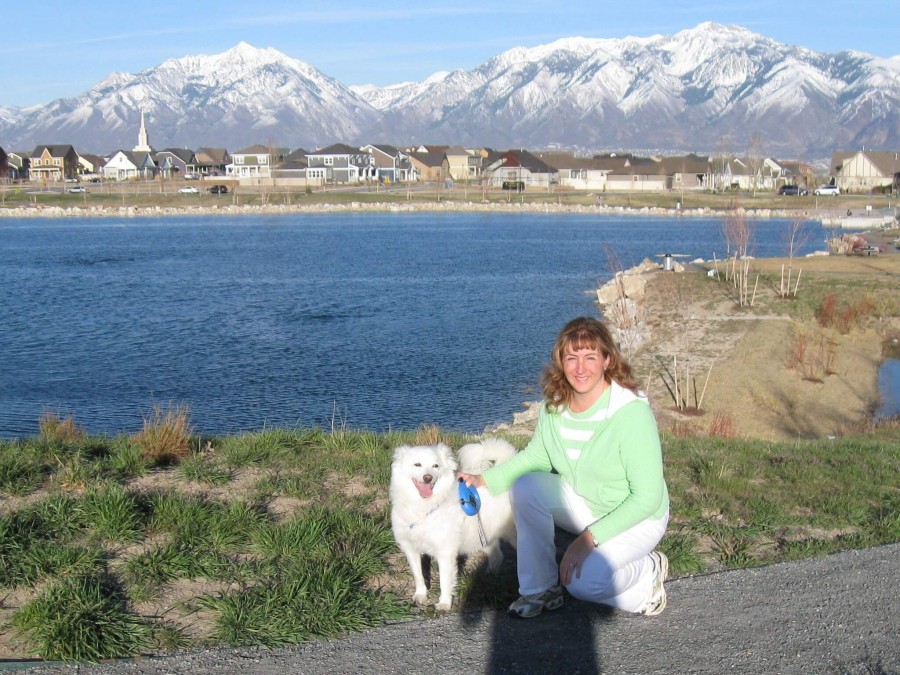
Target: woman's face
{"x":584,"y":369}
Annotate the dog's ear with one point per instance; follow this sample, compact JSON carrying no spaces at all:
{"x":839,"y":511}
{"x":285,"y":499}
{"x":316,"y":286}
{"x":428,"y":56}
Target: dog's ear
{"x":446,"y":455}
{"x":400,"y":451}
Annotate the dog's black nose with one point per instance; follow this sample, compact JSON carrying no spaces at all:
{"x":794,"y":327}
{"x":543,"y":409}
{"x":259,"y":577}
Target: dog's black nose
{"x":427,"y":478}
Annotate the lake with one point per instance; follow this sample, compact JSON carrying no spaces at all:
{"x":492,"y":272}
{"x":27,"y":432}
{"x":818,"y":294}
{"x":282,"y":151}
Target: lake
{"x":371,"y":320}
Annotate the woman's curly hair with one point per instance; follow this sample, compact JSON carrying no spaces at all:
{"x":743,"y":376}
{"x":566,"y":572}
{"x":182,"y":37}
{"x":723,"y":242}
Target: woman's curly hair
{"x":583,"y":333}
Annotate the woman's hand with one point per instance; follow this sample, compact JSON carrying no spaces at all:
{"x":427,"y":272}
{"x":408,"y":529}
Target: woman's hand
{"x":574,"y":557}
{"x":471,"y":479}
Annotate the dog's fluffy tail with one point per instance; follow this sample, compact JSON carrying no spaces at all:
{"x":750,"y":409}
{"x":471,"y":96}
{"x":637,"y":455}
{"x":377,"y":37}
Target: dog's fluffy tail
{"x":479,"y":457}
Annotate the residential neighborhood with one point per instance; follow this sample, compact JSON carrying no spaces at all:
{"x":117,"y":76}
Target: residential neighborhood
{"x":260,"y":165}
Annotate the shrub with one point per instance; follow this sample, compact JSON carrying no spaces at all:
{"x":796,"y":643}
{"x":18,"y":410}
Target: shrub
{"x":845,"y":316}
{"x":827,"y":310}
{"x":722,"y":426}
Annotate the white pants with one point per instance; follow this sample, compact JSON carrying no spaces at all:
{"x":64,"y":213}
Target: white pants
{"x":618,"y":573}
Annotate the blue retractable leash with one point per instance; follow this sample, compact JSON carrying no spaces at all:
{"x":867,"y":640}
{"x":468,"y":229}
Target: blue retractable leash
{"x":470,"y":502}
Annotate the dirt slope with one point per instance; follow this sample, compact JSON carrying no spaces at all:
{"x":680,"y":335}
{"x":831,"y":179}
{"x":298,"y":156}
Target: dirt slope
{"x":756,"y":388}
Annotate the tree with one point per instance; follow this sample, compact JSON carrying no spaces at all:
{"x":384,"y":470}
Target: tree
{"x":755,"y":160}
{"x":738,"y":234}
{"x":797,"y":234}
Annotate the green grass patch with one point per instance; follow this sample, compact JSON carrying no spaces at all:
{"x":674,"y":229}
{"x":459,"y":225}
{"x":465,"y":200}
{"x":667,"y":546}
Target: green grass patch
{"x":82,"y":618}
{"x":200,"y":469}
{"x":308,"y":602}
{"x":305,"y":548}
{"x":20,"y":475}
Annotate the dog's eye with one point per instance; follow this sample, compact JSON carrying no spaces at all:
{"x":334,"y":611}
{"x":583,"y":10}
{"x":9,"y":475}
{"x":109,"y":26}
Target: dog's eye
{"x":435,"y":466}
{"x":418,"y":464}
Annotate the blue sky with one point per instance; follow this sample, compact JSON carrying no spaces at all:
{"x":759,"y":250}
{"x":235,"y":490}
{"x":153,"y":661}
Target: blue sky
{"x":59,"y":48}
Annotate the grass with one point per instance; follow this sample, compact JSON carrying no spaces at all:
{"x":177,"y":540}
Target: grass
{"x":164,"y":194}
{"x":165,"y":436}
{"x":83,"y":618}
{"x":276,"y":537}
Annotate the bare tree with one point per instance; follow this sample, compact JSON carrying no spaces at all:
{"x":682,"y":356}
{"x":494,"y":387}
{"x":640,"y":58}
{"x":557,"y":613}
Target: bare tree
{"x":755,"y":160}
{"x":720,"y":164}
{"x":738,"y":235}
{"x":797,"y":235}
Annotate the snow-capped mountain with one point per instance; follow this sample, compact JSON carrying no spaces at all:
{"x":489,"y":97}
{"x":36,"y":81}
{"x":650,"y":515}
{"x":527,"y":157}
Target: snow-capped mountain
{"x":710,"y":88}
{"x":234,"y":99}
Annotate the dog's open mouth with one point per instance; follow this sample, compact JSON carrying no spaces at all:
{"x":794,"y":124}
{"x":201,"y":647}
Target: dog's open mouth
{"x":425,"y":489}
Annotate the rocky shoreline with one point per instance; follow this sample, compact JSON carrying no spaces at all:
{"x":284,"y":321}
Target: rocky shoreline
{"x":745,"y":352}
{"x":44,"y":211}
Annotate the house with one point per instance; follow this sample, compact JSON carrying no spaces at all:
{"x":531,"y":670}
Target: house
{"x":790,"y":172}
{"x":212,"y":161}
{"x":176,"y":162}
{"x":53,"y":163}
{"x":518,"y":168}
{"x":578,"y":173}
{"x":129,"y":165}
{"x":391,"y":165}
{"x":18,"y":164}
{"x":688,"y":172}
{"x":433,"y":149}
{"x":637,"y":174}
{"x":427,"y":166}
{"x":5,"y":175}
{"x":459,"y":164}
{"x":255,"y":161}
{"x":89,"y":166}
{"x":292,"y":170}
{"x":865,"y":170}
{"x":340,"y":163}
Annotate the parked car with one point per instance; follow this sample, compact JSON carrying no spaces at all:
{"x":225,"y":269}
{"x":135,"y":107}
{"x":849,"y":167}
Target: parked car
{"x":189,"y":190}
{"x":191,"y":176}
{"x":77,"y":188}
{"x":827,"y":190}
{"x":219,"y":190}
{"x":794,"y":190}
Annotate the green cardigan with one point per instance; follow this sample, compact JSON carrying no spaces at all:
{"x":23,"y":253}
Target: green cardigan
{"x":620,"y":470}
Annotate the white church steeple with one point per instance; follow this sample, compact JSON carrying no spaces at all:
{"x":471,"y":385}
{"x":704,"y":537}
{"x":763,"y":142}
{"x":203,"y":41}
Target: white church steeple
{"x":143,"y":142}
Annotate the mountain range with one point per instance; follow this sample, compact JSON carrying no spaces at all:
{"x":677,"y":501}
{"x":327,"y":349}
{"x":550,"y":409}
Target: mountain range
{"x":711,"y":88}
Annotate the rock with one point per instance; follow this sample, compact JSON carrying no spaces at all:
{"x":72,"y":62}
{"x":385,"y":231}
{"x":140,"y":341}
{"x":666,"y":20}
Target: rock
{"x":628,"y":284}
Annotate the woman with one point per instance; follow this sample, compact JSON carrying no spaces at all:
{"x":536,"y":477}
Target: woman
{"x":594,"y":468}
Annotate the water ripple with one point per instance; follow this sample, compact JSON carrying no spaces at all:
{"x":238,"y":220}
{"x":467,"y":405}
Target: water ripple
{"x":382,"y":321}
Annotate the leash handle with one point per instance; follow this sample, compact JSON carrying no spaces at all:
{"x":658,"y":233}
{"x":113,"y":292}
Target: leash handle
{"x":470,"y":502}
{"x":469,"y":499}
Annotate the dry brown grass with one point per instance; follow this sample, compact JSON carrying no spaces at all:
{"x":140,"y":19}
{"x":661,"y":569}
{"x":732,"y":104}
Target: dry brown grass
{"x":428,"y":434}
{"x":56,"y":429}
{"x":165,"y":436}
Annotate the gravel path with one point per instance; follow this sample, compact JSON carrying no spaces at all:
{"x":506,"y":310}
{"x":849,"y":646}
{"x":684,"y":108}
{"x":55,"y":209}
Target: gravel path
{"x":836,"y":614}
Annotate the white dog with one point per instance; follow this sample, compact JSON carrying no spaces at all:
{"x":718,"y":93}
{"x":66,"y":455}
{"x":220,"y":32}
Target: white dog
{"x":427,"y":518}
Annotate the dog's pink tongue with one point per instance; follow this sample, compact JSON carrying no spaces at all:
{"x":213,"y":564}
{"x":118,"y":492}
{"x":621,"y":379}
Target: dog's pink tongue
{"x":425,"y":489}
